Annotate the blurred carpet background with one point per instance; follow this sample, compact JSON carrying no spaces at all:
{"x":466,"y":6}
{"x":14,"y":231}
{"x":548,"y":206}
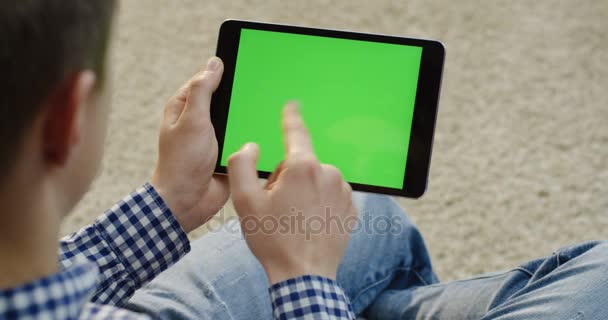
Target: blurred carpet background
{"x":520,"y":163}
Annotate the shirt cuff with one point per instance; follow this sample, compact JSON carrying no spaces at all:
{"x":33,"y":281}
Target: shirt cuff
{"x":310,"y":297}
{"x":144,"y":234}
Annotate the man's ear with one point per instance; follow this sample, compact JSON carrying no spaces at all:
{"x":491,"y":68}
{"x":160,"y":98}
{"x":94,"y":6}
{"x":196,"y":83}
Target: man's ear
{"x":63,"y":116}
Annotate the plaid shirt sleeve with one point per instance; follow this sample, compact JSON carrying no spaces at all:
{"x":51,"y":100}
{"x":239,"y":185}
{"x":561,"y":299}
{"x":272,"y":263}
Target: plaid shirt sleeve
{"x":310,"y":297}
{"x":131,"y":243}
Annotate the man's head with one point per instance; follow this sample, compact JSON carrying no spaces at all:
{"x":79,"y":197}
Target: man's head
{"x":52,"y":107}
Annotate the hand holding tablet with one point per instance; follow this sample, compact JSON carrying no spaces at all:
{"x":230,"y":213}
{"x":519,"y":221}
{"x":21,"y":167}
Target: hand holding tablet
{"x":369,"y":101}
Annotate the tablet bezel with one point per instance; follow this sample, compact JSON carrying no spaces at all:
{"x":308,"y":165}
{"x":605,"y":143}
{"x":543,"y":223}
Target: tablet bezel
{"x":425,"y":109}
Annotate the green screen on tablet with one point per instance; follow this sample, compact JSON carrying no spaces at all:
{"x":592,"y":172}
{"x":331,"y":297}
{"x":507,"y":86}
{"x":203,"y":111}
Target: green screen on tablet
{"x":357,"y":99}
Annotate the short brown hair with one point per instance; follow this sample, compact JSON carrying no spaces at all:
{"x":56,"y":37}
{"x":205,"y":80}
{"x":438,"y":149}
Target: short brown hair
{"x":42,"y":42}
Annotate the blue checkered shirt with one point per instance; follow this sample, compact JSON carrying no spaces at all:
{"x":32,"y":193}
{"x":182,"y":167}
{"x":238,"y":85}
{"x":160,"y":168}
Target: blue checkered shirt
{"x":310,"y":297}
{"x":104,"y":263}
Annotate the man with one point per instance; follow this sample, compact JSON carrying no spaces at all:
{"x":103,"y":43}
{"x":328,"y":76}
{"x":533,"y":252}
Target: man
{"x":54,"y":110}
{"x":54,"y":119}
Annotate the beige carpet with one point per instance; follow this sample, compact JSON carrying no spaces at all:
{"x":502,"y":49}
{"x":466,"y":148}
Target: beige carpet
{"x":520,"y":164}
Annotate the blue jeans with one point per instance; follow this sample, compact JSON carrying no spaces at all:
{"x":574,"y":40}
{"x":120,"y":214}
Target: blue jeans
{"x":387,"y":274}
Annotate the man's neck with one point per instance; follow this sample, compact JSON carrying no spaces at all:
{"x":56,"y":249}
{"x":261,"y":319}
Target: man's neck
{"x":28,"y":237}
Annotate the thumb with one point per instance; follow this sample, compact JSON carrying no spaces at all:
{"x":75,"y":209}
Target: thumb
{"x":201,"y":89}
{"x":247,"y":193}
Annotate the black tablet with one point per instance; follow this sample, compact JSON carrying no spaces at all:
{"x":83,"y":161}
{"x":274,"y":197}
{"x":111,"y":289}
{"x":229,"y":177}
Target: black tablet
{"x":369,"y":101}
